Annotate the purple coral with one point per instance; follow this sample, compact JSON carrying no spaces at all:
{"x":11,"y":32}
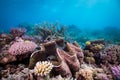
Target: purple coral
{"x":102,"y":76}
{"x":17,"y":32}
{"x":22,"y":47}
{"x":116,"y":71}
{"x":112,"y":54}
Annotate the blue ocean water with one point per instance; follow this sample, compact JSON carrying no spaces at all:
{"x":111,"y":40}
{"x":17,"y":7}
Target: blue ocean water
{"x":90,"y":14}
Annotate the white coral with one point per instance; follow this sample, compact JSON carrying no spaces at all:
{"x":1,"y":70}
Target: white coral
{"x":43,"y":68}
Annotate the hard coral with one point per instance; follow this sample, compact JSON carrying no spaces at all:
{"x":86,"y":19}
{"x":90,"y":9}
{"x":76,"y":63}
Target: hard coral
{"x":5,"y":39}
{"x":22,"y":47}
{"x":116,"y":71}
{"x":61,"y":78}
{"x":93,"y":51}
{"x":112,"y":53}
{"x":46,"y":29}
{"x":43,"y":68}
{"x":86,"y":73}
{"x":17,"y":32}
{"x":65,"y":57}
{"x":102,"y":76}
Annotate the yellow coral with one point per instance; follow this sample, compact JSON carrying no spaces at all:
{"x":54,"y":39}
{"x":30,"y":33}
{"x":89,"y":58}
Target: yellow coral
{"x":99,"y":46}
{"x":88,"y":43}
{"x":43,"y":68}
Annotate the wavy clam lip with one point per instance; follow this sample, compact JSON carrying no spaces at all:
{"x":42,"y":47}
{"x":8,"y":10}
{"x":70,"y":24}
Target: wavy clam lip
{"x":77,"y":50}
{"x":60,"y":66}
{"x":36,"y":56}
{"x":70,"y":59}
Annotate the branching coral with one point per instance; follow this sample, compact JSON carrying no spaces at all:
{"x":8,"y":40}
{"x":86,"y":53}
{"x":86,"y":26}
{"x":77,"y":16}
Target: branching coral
{"x":43,"y":68}
{"x":112,"y":53}
{"x":5,"y":39}
{"x":116,"y":71}
{"x":85,"y":73}
{"x":53,"y":30}
{"x":17,"y":32}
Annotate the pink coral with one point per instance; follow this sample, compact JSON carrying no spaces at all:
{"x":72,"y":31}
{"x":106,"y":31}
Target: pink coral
{"x":102,"y":76}
{"x":22,"y":47}
{"x":116,"y":71}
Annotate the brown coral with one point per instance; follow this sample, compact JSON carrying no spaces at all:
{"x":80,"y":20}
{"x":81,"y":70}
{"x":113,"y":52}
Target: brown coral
{"x":112,"y":53}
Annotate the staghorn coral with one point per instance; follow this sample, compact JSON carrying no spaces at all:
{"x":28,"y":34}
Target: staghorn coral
{"x":43,"y":68}
{"x":22,"y":47}
{"x":46,"y":30}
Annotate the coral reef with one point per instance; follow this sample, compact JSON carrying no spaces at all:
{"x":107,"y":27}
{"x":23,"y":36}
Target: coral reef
{"x":116,"y":71}
{"x":61,"y":78}
{"x":112,"y":53}
{"x":19,"y":50}
{"x":51,"y":54}
{"x":65,"y":57}
{"x":17,"y":32}
{"x":5,"y":39}
{"x":22,"y":47}
{"x":46,"y":30}
{"x":92,"y":51}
